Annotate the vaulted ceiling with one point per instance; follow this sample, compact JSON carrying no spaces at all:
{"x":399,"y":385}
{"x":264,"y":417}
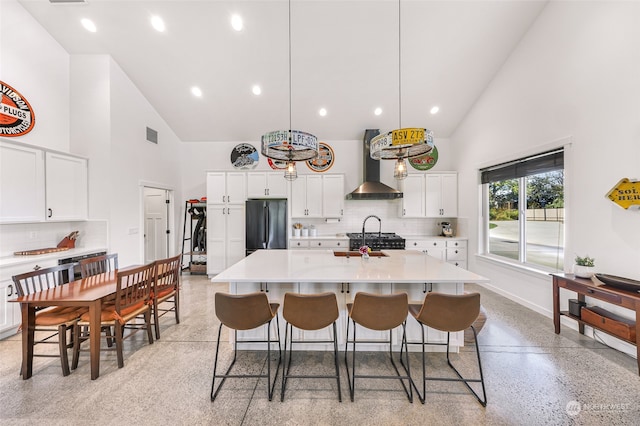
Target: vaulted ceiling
{"x":348,"y":57}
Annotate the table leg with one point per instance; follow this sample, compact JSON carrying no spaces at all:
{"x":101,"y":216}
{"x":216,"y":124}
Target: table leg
{"x":95,"y":309}
{"x":556,"y":305}
{"x":581,"y":298}
{"x":28,"y":326}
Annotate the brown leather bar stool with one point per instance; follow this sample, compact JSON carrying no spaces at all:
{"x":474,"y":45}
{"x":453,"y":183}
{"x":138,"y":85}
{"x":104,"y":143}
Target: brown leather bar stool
{"x":309,"y":312}
{"x":450,"y":313}
{"x":379,"y":312}
{"x":246,"y":312}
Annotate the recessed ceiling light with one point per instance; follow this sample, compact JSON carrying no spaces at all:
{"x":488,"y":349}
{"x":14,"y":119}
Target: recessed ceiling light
{"x":196,"y":91}
{"x":236,"y":22}
{"x":377,"y":111}
{"x":157,"y":23}
{"x":89,"y":25}
{"x":435,"y":109}
{"x":322,"y":112}
{"x":256,"y":90}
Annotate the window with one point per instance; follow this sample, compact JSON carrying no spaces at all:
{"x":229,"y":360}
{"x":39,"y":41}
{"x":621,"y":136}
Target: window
{"x":524,"y":210}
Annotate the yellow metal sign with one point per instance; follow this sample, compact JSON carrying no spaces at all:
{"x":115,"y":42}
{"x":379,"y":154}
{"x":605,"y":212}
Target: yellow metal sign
{"x":626,"y":193}
{"x":407,"y":136}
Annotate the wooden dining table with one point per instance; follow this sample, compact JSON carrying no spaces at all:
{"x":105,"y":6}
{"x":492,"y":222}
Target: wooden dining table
{"x":89,"y":292}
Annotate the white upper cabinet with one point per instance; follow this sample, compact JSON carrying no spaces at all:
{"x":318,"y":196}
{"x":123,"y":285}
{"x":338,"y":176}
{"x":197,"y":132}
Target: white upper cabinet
{"x":226,"y":188}
{"x":430,"y":195}
{"x":66,"y":187}
{"x":21,"y":184}
{"x":266,"y":185}
{"x":413,"y":196}
{"x":441,"y":195}
{"x":306,"y":196}
{"x":38,"y":185}
{"x":332,"y":196}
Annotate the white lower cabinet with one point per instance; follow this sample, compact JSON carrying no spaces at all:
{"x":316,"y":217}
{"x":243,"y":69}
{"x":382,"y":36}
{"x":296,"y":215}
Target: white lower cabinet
{"x":434,"y":248}
{"x":457,"y":253}
{"x":452,"y":251}
{"x":225,"y":236}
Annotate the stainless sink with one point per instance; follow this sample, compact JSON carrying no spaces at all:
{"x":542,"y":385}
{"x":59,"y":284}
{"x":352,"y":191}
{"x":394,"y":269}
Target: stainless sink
{"x":356,"y":253}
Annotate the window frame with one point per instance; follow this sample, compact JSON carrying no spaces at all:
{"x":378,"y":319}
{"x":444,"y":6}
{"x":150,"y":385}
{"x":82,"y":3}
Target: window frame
{"x":484,"y":234}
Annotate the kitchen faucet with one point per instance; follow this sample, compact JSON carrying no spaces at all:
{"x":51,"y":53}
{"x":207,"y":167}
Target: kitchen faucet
{"x":379,"y":228}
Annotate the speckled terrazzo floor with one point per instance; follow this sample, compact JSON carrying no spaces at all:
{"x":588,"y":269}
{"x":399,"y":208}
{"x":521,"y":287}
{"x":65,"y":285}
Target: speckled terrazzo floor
{"x":531,"y":376}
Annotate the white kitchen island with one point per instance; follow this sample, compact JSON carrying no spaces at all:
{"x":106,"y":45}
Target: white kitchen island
{"x":313,"y":271}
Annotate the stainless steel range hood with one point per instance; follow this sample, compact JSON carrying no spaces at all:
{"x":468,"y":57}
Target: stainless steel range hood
{"x":372,"y":188}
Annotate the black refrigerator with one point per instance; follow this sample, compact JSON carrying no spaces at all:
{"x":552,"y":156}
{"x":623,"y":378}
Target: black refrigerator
{"x":266,"y":224}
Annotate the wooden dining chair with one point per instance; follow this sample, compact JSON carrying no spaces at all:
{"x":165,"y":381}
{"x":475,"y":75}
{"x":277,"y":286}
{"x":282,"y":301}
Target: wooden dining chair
{"x":94,"y":266}
{"x":54,"y":321}
{"x":166,"y":289}
{"x":98,"y":264}
{"x":133,"y":299}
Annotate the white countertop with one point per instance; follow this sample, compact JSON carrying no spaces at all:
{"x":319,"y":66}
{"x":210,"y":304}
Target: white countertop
{"x":18,"y":260}
{"x":321,"y":266}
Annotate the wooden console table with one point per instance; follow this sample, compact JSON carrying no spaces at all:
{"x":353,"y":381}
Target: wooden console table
{"x":584,"y":287}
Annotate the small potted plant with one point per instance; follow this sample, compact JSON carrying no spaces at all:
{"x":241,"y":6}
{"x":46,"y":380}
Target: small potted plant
{"x":584,"y":267}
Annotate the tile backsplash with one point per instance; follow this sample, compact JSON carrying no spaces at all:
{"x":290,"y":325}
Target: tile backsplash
{"x":387,"y":211}
{"x":31,"y":236}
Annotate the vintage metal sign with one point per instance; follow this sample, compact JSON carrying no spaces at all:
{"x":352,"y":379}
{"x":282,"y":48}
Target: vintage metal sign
{"x":626,"y":193}
{"x":16,"y":116}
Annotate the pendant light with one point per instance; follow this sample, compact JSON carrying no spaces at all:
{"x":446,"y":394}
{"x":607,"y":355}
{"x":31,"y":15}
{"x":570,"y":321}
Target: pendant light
{"x":401,"y":143}
{"x":290,"y":145}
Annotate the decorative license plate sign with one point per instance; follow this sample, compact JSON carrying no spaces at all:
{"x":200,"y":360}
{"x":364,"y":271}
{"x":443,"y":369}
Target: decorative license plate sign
{"x":289,"y":145}
{"x":626,"y":193}
{"x":16,"y":116}
{"x":407,"y":142}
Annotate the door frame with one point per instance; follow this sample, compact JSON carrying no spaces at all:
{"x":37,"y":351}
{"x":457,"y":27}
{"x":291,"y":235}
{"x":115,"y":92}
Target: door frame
{"x":171,"y":223}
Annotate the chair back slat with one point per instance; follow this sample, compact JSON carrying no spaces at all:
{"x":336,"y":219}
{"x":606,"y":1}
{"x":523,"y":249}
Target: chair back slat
{"x":43,"y":279}
{"x":167,"y":274}
{"x":134,"y":287}
{"x":98,"y":264}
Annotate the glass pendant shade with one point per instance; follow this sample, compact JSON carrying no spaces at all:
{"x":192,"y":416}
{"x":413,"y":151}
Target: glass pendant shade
{"x":290,"y":172}
{"x":400,"y":171}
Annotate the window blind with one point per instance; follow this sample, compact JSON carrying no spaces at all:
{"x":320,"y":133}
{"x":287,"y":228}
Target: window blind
{"x":532,"y":165}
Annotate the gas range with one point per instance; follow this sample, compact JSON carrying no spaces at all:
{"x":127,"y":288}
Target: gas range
{"x":384,"y":241}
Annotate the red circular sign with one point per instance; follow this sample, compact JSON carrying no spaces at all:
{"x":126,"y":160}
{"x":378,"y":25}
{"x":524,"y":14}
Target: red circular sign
{"x":16,"y":116}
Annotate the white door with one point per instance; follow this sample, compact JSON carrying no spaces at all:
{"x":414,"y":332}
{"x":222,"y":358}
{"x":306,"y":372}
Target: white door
{"x":314,"y":196}
{"x":276,"y":185}
{"x":155,"y":224}
{"x":332,"y":195}
{"x":450,"y":195}
{"x":433,"y":196}
{"x":216,"y":238}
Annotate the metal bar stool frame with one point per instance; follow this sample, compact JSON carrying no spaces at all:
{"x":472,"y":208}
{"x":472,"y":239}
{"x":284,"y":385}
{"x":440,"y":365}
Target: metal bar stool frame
{"x":270,"y":384}
{"x":310,"y":323}
{"x":351,"y":375}
{"x":417,"y":311}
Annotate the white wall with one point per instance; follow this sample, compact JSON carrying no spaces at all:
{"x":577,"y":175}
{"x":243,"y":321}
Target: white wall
{"x":574,"y":74}
{"x":34,"y":64}
{"x":109,"y":126}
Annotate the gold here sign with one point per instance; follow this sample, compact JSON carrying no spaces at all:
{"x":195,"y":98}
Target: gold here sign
{"x":625,"y":193}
